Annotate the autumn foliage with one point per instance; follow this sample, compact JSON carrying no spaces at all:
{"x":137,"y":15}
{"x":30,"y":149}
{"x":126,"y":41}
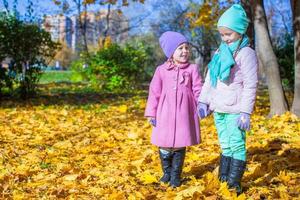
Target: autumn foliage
{"x":95,"y":147}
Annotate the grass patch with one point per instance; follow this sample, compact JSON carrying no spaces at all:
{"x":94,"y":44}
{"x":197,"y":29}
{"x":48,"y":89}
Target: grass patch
{"x":58,"y":77}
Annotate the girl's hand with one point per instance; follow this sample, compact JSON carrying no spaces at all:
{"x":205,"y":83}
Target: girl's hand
{"x":243,"y":121}
{"x":203,"y":110}
{"x":152,"y":121}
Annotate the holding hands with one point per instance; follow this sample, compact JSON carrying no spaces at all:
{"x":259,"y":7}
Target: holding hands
{"x":243,"y":121}
{"x":203,"y":110}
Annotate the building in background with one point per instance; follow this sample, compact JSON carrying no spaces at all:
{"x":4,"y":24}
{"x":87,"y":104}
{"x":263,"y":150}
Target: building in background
{"x":67,"y":29}
{"x":60,"y":28}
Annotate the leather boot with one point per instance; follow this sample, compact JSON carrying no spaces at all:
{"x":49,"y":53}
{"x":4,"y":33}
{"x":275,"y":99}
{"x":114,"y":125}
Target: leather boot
{"x":237,"y":168}
{"x":177,"y":165}
{"x":166,"y":163}
{"x":224,"y":168}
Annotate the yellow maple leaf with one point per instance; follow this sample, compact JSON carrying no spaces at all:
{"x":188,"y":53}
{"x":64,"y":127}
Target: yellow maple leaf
{"x":241,"y":197}
{"x":211,"y":183}
{"x":284,"y":177}
{"x":90,"y":160}
{"x":70,"y":177}
{"x":95,"y":190}
{"x":132,"y":135}
{"x":3,"y":173}
{"x":123,"y":108}
{"x":107,"y":42}
{"x":193,"y":156}
{"x":282,"y":192}
{"x":189,"y":192}
{"x":18,"y":194}
{"x":22,"y":169}
{"x":63,"y":167}
{"x":226,"y":194}
{"x":147,"y":178}
{"x":63,"y":144}
{"x":142,"y":104}
{"x":88,"y":1}
{"x":117,"y":195}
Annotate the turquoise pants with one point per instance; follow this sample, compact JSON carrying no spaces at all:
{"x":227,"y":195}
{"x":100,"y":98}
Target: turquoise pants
{"x":231,"y":138}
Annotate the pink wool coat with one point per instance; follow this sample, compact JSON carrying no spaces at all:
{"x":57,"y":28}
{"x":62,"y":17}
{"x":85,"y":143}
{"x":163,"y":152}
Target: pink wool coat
{"x":172,"y":100}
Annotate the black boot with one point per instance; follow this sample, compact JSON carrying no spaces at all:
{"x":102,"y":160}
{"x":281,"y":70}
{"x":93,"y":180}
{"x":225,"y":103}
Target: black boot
{"x":224,"y":168}
{"x":237,"y":168}
{"x":166,"y":163}
{"x":177,"y":165}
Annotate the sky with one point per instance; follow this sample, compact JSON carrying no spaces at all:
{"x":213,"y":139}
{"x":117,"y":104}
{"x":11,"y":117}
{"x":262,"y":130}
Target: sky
{"x":148,"y":10}
{"x":42,"y":7}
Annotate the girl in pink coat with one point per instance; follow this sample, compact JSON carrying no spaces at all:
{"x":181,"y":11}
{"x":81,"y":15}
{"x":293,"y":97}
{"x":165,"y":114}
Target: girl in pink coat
{"x":172,"y":106}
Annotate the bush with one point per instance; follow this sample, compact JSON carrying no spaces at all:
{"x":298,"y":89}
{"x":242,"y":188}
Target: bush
{"x":285,"y":56}
{"x":151,"y":47}
{"x":5,"y":80}
{"x":28,"y":46}
{"x":115,"y":67}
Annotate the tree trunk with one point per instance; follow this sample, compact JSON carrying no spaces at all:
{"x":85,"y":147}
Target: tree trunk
{"x":24,"y":84}
{"x":247,"y":4}
{"x":278,"y":104}
{"x":262,"y":81}
{"x":107,"y":24}
{"x":84,"y":30}
{"x":83,"y":25}
{"x":296,"y":26}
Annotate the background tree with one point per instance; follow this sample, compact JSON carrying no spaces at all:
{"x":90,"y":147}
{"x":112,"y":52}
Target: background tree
{"x":109,"y":18}
{"x":148,"y":43}
{"x":248,"y":6}
{"x":279,"y":19}
{"x":206,"y":18}
{"x":81,"y":9}
{"x":82,"y":19}
{"x":295,"y":5}
{"x":64,"y":56}
{"x":278,"y":104}
{"x":203,"y":19}
{"x":29,"y":52}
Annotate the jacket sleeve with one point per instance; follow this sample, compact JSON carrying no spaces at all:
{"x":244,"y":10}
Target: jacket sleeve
{"x":196,"y":83}
{"x":206,"y":89}
{"x":249,"y":66}
{"x":154,"y":94}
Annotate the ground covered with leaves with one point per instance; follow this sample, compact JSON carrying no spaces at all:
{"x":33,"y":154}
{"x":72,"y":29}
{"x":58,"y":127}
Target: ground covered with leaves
{"x":90,"y":146}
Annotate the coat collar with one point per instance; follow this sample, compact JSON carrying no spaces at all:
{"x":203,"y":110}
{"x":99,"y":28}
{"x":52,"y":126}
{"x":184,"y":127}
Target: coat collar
{"x":171,"y":65}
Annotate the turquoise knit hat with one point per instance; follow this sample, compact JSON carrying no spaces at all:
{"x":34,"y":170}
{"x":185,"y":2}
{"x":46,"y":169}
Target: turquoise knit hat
{"x":234,"y":18}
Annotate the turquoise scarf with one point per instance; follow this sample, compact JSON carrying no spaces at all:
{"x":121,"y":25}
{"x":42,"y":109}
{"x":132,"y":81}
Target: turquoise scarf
{"x":221,"y":63}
